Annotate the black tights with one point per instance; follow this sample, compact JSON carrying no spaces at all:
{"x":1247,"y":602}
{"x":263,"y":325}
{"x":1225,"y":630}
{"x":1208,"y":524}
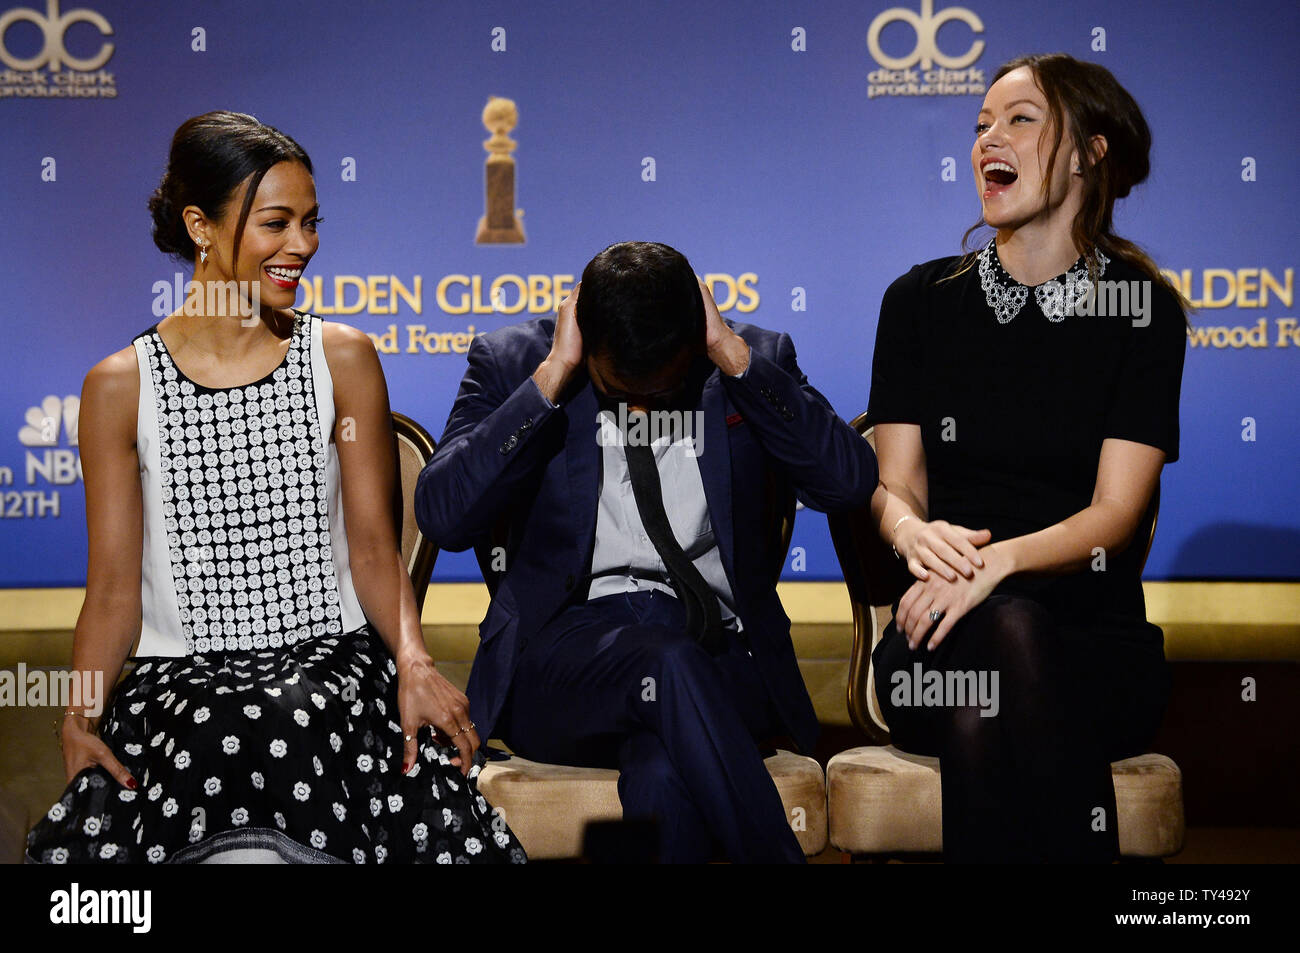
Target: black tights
{"x":1031,"y":783}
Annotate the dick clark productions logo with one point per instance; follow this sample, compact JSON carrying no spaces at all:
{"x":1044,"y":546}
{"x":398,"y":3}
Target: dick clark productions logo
{"x":54,"y":29}
{"x":954,"y":75}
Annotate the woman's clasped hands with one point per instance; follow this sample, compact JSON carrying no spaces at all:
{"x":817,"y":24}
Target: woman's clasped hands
{"x":955,"y":568}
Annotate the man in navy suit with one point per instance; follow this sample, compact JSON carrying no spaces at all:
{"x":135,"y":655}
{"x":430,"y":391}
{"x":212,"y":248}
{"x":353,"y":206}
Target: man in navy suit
{"x":633,"y":444}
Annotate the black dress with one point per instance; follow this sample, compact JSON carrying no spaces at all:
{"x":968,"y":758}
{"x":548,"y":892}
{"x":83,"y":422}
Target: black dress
{"x":1014,"y":395}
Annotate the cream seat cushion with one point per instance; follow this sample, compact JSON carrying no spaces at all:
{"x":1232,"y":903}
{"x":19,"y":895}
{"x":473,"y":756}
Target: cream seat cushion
{"x":881,"y":800}
{"x":548,"y":805}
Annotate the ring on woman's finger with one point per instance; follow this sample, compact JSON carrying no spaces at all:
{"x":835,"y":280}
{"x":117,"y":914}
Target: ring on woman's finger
{"x":936,"y":615}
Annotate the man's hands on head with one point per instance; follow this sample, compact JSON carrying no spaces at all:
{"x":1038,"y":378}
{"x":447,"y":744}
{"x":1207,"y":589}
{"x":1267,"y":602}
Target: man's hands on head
{"x":556,"y":371}
{"x":725,"y":347}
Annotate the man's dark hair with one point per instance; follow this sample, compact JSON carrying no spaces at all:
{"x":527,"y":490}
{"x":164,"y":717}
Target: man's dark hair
{"x":640,"y":306}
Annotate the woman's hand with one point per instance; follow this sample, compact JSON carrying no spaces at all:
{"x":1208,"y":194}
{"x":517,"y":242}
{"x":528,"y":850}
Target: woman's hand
{"x":425,"y":697}
{"x":953,"y":599}
{"x":82,"y":749}
{"x":940,"y":546}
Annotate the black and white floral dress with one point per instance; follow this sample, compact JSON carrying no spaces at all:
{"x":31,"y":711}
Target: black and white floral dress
{"x":260,"y":719}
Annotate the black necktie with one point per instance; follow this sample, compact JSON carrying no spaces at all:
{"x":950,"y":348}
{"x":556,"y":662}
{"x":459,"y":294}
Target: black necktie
{"x":703,"y":618}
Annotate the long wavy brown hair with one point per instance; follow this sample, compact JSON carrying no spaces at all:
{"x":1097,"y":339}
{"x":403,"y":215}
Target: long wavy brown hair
{"x":1087,"y":101}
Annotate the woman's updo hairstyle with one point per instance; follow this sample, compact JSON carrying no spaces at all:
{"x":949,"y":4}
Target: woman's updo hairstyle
{"x":210,"y":156}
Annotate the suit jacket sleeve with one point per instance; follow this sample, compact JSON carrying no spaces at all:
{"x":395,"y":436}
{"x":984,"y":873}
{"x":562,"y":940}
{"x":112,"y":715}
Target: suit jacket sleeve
{"x":827,"y":462}
{"x":487,"y":448}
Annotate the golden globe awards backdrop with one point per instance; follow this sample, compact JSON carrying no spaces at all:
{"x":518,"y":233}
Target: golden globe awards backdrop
{"x":471,"y":157}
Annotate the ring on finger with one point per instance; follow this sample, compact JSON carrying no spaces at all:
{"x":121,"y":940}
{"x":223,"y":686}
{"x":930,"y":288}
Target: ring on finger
{"x":936,"y":615}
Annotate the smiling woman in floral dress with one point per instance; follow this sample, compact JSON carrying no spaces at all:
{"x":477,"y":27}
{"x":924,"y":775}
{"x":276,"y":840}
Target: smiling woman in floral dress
{"x":239,"y":477}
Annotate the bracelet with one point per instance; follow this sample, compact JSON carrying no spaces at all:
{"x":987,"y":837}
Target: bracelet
{"x":894,"y":532}
{"x":58,"y":724}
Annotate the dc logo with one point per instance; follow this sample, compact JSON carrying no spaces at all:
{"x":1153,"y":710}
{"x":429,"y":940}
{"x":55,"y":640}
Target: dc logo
{"x":54,"y":26}
{"x":926,"y":52}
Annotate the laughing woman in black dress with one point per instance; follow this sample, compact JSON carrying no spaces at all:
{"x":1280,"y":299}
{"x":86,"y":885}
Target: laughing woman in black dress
{"x":239,"y":475}
{"x":1021,"y":435}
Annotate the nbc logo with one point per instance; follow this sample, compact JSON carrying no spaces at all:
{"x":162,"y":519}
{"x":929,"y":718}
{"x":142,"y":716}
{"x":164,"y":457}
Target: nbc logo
{"x":41,"y":432}
{"x":41,"y":428}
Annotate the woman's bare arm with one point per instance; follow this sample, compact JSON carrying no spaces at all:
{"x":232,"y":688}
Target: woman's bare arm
{"x":900,"y":508}
{"x":1127,"y":473}
{"x":109,"y":621}
{"x":1126,"y":477}
{"x":363,"y":435}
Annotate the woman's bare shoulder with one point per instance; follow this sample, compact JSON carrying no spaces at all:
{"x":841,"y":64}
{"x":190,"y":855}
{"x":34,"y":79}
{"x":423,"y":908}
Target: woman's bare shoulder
{"x":350,"y":352}
{"x":112,"y":387}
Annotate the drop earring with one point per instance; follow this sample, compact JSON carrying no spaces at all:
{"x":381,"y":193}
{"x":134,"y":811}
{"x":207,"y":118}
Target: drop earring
{"x":203,"y":248}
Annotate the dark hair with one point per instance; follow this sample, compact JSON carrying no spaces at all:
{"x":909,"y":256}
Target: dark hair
{"x":640,"y":306}
{"x":1086,"y":100}
{"x":210,"y":156}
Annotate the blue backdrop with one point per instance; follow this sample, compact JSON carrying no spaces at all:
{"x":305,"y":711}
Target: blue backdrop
{"x":782,"y":160}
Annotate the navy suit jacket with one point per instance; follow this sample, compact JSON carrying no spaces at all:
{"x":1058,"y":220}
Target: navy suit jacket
{"x":507,"y":452}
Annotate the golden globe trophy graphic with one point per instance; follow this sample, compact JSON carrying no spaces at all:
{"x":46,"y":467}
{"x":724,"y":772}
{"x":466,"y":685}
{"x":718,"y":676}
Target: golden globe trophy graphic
{"x":500,"y":225}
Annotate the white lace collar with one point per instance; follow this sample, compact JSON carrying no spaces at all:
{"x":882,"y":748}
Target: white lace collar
{"x":1056,"y":297}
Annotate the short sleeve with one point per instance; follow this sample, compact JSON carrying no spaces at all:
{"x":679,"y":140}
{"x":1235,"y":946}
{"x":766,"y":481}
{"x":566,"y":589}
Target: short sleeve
{"x":895,"y":363}
{"x":1144,"y":402}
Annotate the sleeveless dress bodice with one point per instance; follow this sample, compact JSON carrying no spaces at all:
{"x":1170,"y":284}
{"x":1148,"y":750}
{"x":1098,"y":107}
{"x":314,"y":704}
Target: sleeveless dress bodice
{"x":244,"y":539}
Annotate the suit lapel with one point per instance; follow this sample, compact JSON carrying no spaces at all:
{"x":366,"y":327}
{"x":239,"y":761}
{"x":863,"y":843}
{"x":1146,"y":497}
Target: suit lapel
{"x":715,"y":470}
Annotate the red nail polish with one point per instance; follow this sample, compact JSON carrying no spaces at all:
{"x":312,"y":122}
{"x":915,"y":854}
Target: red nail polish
{"x":130,"y":782}
{"x":406,"y":766}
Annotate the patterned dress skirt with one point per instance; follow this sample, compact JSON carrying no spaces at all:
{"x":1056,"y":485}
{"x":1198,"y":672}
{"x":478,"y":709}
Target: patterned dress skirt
{"x":297,"y":751}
